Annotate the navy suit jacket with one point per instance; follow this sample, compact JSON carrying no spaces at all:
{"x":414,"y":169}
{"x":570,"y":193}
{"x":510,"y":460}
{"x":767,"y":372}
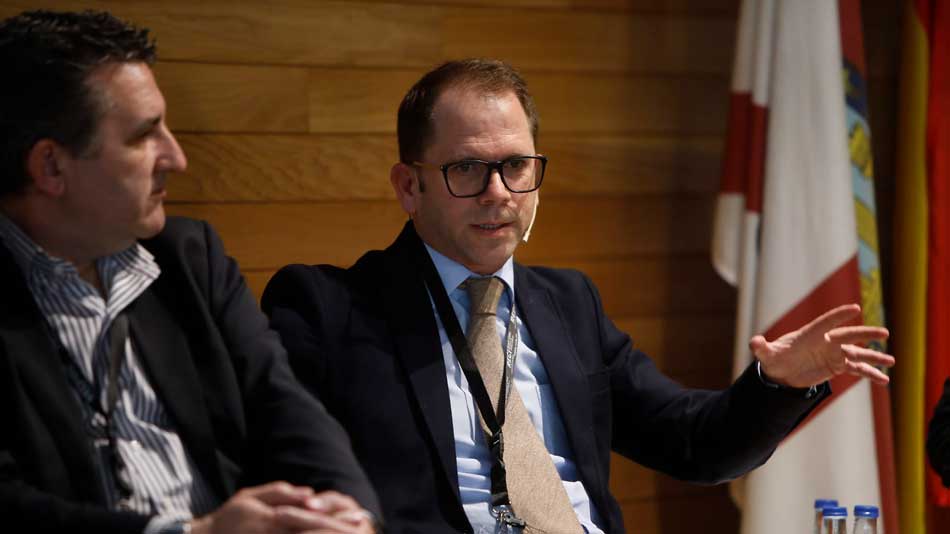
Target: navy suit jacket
{"x":365,"y":341}
{"x":220,"y":372}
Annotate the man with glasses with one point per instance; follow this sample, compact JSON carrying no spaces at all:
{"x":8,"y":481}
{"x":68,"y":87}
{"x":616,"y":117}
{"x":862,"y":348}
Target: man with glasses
{"x":485,"y":396}
{"x":141,"y":390}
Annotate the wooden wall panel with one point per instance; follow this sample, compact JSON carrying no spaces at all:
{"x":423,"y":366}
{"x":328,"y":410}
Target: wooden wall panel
{"x":588,"y":40}
{"x":234,"y":98}
{"x":303,"y":32}
{"x":683,"y":514}
{"x":649,"y":483}
{"x":669,"y":7}
{"x":346,"y":100}
{"x":270,"y":235}
{"x":651,"y":285}
{"x":626,"y":104}
{"x":358,"y":100}
{"x":285,"y":32}
{"x":594,"y":103}
{"x":240,"y":167}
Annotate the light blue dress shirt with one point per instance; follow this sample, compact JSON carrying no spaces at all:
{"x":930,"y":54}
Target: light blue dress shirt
{"x":531,"y":379}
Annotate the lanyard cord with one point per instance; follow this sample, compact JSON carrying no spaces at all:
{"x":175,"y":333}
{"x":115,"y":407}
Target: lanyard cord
{"x":463,"y":353}
{"x":118,"y":333}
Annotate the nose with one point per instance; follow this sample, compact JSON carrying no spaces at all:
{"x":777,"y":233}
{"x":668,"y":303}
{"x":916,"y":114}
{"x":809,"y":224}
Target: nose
{"x":496,"y":190}
{"x":172,"y":157}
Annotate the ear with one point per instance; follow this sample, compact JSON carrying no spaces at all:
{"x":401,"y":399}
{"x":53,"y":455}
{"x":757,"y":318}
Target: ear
{"x":405,"y":182}
{"x":44,"y":164}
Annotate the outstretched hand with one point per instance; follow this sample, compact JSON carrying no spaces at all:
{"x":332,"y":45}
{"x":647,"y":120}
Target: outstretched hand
{"x":823,"y":349}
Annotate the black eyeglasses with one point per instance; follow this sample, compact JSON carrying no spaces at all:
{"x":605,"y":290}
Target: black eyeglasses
{"x":470,"y":177}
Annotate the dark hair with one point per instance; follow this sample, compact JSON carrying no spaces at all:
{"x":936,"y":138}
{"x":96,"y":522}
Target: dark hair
{"x":46,"y":58}
{"x":490,"y":76}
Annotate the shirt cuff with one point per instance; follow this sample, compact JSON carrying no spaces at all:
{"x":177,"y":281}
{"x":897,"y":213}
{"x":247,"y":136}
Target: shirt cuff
{"x":809,"y":392}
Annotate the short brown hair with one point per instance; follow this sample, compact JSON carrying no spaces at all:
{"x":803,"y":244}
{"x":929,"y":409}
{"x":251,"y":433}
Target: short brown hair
{"x":47,"y":58}
{"x":491,"y":76}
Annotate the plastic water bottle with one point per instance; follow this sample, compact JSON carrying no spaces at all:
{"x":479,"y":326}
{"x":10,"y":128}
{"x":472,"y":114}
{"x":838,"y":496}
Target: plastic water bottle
{"x":835,"y":520}
{"x":820,"y":505}
{"x":865,"y":519}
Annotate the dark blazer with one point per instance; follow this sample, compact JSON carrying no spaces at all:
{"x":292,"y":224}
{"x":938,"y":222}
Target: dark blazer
{"x":365,"y":341}
{"x":221,"y":373}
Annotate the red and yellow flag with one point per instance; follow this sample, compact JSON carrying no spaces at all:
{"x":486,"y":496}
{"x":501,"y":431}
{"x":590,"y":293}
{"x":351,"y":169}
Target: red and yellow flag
{"x":795,"y":232}
{"x":921,"y":285}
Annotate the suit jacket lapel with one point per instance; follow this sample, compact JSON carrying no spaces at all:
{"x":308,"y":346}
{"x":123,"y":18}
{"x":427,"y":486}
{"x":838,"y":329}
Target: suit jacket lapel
{"x":556,"y":349}
{"x":26,"y":340}
{"x":416,"y":337}
{"x":166,"y":354}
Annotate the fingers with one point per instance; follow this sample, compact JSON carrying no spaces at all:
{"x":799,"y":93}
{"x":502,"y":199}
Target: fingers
{"x":872,"y":357}
{"x":856,"y":335}
{"x":866,"y":370}
{"x":833,"y":318}
{"x":279,"y":493}
{"x":296,"y":519}
{"x":332,"y":502}
{"x":299,"y":519}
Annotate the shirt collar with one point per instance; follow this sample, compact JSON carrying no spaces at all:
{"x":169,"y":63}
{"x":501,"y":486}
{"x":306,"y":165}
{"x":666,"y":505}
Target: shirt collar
{"x":24,"y":250}
{"x":454,"y":273}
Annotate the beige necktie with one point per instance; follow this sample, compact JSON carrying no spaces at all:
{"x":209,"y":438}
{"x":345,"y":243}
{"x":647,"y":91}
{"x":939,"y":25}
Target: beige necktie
{"x":534,"y":487}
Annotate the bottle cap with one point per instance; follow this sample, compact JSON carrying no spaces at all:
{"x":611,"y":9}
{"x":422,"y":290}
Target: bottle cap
{"x":835,"y":511}
{"x":825,"y":503}
{"x":862,"y":510}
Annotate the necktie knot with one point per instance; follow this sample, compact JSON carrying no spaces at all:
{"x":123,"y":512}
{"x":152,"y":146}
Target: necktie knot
{"x":484,"y":294}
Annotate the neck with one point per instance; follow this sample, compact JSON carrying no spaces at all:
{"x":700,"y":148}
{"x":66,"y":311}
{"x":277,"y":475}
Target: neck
{"x":90,"y":274}
{"x":53,"y":242}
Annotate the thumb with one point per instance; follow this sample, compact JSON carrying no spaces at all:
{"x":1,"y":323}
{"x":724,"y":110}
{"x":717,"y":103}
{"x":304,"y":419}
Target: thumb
{"x":758,"y":345}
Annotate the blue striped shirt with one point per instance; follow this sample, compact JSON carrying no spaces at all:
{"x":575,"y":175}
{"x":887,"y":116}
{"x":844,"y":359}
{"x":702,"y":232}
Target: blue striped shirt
{"x":163,"y":477}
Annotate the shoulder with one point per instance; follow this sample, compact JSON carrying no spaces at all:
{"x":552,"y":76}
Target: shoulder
{"x":191,"y":250}
{"x":567,"y":290}
{"x":299,"y":285}
{"x":561,"y":283}
{"x":178,"y":229}
{"x":184,"y":240}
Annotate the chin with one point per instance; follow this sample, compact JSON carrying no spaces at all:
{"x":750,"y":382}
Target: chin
{"x":492,"y":262}
{"x":152,"y":225}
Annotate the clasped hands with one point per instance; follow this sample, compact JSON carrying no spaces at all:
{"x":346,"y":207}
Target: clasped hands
{"x":280,"y":508}
{"x":823,"y":349}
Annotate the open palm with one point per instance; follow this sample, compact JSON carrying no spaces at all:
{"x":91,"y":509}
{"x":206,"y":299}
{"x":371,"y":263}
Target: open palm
{"x":823,"y":349}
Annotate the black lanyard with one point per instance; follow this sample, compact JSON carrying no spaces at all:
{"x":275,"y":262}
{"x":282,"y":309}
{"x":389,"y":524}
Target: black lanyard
{"x":494,"y":421}
{"x":118,"y":333}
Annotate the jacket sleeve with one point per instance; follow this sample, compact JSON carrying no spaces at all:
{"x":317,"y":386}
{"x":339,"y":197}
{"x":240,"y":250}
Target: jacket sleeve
{"x":696,"y":435}
{"x":24,"y":508}
{"x":291,"y":435}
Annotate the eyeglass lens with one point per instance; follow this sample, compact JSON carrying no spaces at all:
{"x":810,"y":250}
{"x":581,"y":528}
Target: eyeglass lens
{"x":470,"y":177}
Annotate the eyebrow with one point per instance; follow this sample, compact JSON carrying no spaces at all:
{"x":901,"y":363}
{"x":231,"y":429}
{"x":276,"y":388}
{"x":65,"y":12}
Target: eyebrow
{"x":472,"y":158}
{"x":146,"y":126}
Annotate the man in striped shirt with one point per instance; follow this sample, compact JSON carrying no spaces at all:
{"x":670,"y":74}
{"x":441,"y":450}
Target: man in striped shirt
{"x":140,"y":388}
